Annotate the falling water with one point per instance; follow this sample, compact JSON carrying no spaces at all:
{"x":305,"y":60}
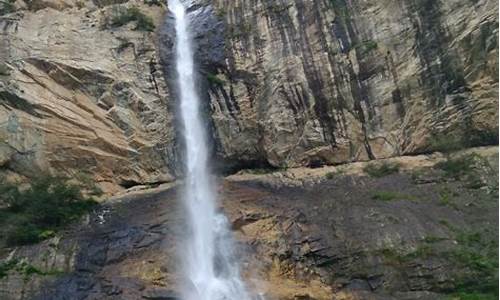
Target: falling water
{"x":208,"y":260}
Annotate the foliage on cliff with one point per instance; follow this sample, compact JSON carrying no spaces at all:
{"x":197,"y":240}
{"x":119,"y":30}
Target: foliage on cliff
{"x":35,"y":213}
{"x":133,"y":14}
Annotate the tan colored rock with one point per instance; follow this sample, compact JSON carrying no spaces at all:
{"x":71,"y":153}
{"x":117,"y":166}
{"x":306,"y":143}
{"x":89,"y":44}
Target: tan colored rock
{"x":81,"y":96}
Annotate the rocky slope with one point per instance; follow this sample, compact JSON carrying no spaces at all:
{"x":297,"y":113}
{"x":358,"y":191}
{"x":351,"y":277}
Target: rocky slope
{"x":320,"y":234}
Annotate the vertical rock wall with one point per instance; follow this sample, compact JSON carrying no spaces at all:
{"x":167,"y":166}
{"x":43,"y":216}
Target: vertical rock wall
{"x":329,"y":81}
{"x":80,"y":95}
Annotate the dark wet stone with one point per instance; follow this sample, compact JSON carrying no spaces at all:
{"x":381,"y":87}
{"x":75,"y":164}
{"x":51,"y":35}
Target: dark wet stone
{"x":148,"y":240}
{"x":359,"y":284}
{"x":160,"y":294}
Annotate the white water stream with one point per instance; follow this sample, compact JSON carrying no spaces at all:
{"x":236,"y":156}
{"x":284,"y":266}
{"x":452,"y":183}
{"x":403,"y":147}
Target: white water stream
{"x":209,"y":262}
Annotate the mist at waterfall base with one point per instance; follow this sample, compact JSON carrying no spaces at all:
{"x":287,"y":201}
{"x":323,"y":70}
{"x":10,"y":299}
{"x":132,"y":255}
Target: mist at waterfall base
{"x":208,"y":258}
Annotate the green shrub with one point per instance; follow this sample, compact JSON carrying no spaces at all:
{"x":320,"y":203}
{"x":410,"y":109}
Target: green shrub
{"x":7,"y":7}
{"x":479,"y":255}
{"x":476,"y":137}
{"x":461,"y":139}
{"x":446,"y":198}
{"x":25,"y":269}
{"x":214,"y":79}
{"x":37,"y":212}
{"x":330,"y":175}
{"x":366,"y":46}
{"x":153,"y":2}
{"x":445,"y":143}
{"x":133,"y":14}
{"x":444,"y":223}
{"x":335,"y":174}
{"x":80,"y":4}
{"x":380,"y":170}
{"x":456,"y":167}
{"x":221,"y":12}
{"x":28,"y":270}
{"x":5,"y":267}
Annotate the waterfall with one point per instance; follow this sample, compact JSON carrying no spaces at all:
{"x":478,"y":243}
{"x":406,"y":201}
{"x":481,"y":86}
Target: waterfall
{"x":209,"y":262}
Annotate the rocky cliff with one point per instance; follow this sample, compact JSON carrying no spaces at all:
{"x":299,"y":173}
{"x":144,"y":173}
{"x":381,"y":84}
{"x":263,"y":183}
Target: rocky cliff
{"x":80,"y":94}
{"x":87,"y":87}
{"x":286,"y":83}
{"x":330,"y":81}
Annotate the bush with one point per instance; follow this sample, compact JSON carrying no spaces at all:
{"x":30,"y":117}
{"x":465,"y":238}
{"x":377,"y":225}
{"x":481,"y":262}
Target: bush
{"x":456,"y":167}
{"x":5,"y":267}
{"x":25,"y":269}
{"x":153,"y":2}
{"x":446,"y":143}
{"x":7,"y":7}
{"x":338,"y":172}
{"x":366,"y":46}
{"x":465,"y":138}
{"x":381,"y":170}
{"x":133,"y":14}
{"x":480,"y":257}
{"x":214,"y":79}
{"x":35,"y":213}
{"x":330,"y":175}
{"x":80,"y":4}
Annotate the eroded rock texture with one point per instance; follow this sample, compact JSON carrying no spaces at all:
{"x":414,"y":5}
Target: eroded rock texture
{"x":79,"y":95}
{"x":330,"y":81}
{"x":285,"y":83}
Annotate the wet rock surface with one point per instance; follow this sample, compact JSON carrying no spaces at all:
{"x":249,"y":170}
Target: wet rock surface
{"x":407,"y":245}
{"x":306,"y":83}
{"x":124,"y":251}
{"x":316,"y":235}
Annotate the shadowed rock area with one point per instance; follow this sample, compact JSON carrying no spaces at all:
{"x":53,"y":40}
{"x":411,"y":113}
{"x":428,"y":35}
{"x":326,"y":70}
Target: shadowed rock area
{"x":327,"y":233}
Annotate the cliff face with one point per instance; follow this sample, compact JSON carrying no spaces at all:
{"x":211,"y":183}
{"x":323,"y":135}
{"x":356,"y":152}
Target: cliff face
{"x":286,"y":83}
{"x":330,"y":81}
{"x":77,"y":95}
